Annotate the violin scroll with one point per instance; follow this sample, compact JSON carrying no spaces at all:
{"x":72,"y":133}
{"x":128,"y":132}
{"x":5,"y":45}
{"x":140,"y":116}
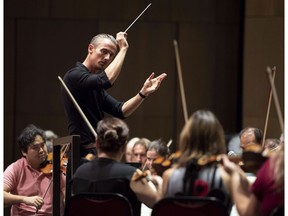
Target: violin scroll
{"x":138,"y":175}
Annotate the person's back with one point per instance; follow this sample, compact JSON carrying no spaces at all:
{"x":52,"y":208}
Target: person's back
{"x":106,"y":173}
{"x":199,"y":181}
{"x":196,"y":172}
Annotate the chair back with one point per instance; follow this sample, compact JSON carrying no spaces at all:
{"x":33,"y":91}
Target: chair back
{"x":278,"y":211}
{"x":102,"y":204}
{"x":188,"y":205}
{"x":116,"y":185}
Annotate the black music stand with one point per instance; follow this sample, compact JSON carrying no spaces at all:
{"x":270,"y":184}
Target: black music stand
{"x":73,"y":164}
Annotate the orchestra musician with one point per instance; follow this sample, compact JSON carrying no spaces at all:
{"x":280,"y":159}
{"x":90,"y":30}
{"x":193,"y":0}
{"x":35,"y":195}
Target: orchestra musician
{"x":129,"y":147}
{"x":201,"y":139}
{"x":251,"y":137}
{"x":271,"y":146}
{"x":139,"y":151}
{"x":107,"y":173}
{"x":26,"y":187}
{"x":88,"y":82}
{"x":156,"y":148}
{"x":267,"y":192}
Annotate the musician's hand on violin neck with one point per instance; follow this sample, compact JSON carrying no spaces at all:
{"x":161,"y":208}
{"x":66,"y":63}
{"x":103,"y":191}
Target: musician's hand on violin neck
{"x":34,"y":201}
{"x":138,"y":175}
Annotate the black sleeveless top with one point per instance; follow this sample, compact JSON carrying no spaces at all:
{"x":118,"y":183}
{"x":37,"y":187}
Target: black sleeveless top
{"x":195,"y":180}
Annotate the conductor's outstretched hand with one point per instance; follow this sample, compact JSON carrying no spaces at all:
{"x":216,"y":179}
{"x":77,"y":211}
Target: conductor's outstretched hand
{"x":152,"y":84}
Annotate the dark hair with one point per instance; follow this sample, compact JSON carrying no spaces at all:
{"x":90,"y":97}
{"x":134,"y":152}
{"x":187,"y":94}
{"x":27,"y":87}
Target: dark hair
{"x":113,"y":133}
{"x":28,"y":135}
{"x":160,"y":147}
{"x":257,"y":133}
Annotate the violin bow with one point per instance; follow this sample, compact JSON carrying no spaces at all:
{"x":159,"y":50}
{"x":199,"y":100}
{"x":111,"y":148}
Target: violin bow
{"x":78,"y":108}
{"x":184,"y":106}
{"x":64,"y":148}
{"x":144,"y":167}
{"x":137,"y":17}
{"x":276,"y":101}
{"x":268,"y":107}
{"x":51,"y":180}
{"x":169,"y":143}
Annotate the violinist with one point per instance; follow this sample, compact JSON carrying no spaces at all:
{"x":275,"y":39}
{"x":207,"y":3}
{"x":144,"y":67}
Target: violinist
{"x":24,"y":183}
{"x":197,"y":172}
{"x":157,"y":148}
{"x":139,"y":151}
{"x":129,"y":147}
{"x":267,"y":192}
{"x":271,"y":146}
{"x":251,"y":139}
{"x":88,"y":82}
{"x":107,"y":173}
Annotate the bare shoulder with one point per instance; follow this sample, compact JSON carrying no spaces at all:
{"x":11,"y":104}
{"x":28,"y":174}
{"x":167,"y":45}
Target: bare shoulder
{"x":167,"y":173}
{"x":226,"y":178}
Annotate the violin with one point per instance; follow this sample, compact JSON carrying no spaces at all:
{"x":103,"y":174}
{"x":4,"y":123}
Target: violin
{"x":160,"y":164}
{"x":47,"y":166}
{"x":250,"y":161}
{"x":252,"y":158}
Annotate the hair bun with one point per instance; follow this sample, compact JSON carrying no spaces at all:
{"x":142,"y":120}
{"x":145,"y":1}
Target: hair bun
{"x":110,"y":134}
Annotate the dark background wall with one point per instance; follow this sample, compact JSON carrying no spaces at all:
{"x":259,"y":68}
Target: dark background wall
{"x":43,"y":39}
{"x":224,"y":48}
{"x":263,"y":46}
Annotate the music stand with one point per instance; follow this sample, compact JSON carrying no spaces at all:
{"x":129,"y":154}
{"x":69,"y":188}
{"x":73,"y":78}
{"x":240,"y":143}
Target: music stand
{"x":73,"y":164}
